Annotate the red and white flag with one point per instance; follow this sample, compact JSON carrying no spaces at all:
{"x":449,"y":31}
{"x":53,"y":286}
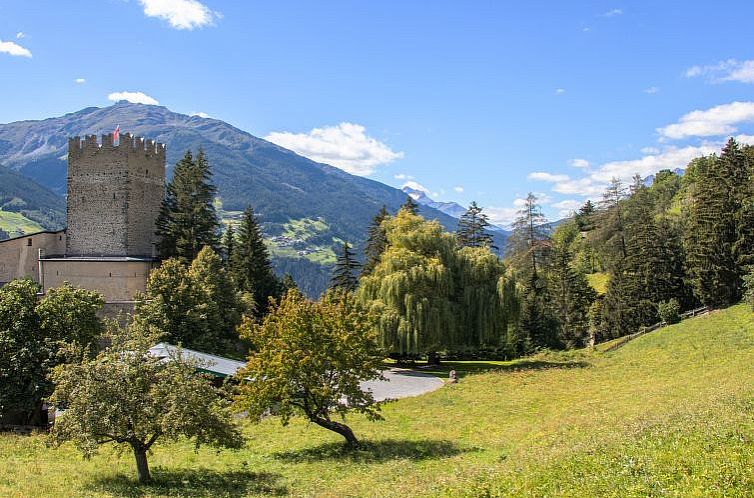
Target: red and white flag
{"x":116,"y":133}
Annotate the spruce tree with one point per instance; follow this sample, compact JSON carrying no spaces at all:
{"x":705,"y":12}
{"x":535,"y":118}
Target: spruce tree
{"x":188,"y":220}
{"x":250,"y":263}
{"x":344,"y":273}
{"x":472,"y":228}
{"x":611,"y":220}
{"x":570,"y":297}
{"x":376,"y":241}
{"x":410,"y":205}
{"x":584,"y":216}
{"x":710,"y":233}
{"x":229,"y":244}
{"x":528,"y":243}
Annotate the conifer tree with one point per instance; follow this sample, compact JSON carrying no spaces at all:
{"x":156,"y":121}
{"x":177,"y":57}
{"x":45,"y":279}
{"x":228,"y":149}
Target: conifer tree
{"x":344,"y":273}
{"x":612,"y":229}
{"x":584,"y":216}
{"x":221,"y":301}
{"x":472,"y":228}
{"x":376,"y":241}
{"x":288,"y":283}
{"x":410,"y":205}
{"x":250,"y":263}
{"x":710,"y":233}
{"x":229,"y":243}
{"x":529,"y":241}
{"x":570,"y":296}
{"x":188,"y":220}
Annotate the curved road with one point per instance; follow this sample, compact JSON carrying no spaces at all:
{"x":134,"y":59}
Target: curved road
{"x":402,"y":383}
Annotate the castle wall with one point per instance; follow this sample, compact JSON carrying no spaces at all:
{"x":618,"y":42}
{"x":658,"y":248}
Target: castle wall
{"x":117,"y":279}
{"x":19,"y":256}
{"x":114,"y":196}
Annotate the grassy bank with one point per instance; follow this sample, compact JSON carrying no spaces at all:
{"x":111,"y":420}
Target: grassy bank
{"x":669,"y":414}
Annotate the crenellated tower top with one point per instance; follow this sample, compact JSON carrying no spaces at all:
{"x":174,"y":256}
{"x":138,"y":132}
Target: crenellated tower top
{"x":127,"y":144}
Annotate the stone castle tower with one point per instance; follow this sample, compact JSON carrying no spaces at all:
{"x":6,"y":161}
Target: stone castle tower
{"x":114,"y":196}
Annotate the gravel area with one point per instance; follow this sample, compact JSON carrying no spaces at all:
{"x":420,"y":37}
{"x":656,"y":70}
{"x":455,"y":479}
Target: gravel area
{"x":402,"y":383}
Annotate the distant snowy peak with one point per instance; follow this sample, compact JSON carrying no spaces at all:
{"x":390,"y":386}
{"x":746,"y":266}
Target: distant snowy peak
{"x":450,"y":208}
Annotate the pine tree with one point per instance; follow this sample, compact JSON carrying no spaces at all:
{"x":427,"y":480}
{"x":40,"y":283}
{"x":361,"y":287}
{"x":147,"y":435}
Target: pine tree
{"x":229,"y":244}
{"x":188,"y":220}
{"x":710,"y":233}
{"x":570,"y":297}
{"x":376,"y":241}
{"x":344,"y":273}
{"x":612,"y":231}
{"x":528,"y":243}
{"x":584,"y":216}
{"x":250,"y":263}
{"x":472,"y":228}
{"x":410,"y":205}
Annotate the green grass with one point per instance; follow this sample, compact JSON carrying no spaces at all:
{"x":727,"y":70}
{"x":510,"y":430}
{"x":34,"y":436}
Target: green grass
{"x":13,"y":223}
{"x":598,"y":281}
{"x":669,"y":414}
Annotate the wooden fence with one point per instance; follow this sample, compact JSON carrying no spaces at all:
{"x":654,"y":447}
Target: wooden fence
{"x":645,"y":330}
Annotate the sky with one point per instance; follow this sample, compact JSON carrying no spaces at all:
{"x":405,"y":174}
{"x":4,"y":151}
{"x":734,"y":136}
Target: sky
{"x":473,"y":100}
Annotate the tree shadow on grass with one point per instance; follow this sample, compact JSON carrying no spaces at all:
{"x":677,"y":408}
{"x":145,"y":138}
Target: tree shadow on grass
{"x":468,"y":367}
{"x":194,"y":482}
{"x":374,"y":451}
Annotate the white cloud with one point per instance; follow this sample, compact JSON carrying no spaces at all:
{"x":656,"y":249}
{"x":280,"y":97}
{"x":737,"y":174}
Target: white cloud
{"x":566,"y":207}
{"x":134,"y":97}
{"x":651,"y":90}
{"x":458,"y":189}
{"x":613,"y":13}
{"x":20,"y":35}
{"x":501,"y":216}
{"x":200,"y":114}
{"x":418,"y":186}
{"x":14,"y":49}
{"x":728,"y":70}
{"x":559,"y":91}
{"x":346,"y":146}
{"x":547,"y":177}
{"x":403,"y":176}
{"x":80,"y":81}
{"x":181,"y":14}
{"x":579,"y":163}
{"x":716,"y":121}
{"x":670,"y":158}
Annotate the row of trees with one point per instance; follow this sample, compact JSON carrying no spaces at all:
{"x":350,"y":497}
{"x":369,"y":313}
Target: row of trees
{"x":681,"y":242}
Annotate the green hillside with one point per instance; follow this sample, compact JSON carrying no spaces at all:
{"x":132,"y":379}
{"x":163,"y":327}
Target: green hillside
{"x":669,"y":414}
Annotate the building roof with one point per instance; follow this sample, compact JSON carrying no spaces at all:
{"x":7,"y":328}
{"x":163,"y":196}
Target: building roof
{"x":27,"y":235}
{"x":212,"y":364}
{"x":99,"y":259}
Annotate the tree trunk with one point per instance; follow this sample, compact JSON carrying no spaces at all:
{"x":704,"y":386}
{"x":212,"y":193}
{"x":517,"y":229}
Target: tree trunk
{"x":341,"y":429}
{"x":142,"y":467}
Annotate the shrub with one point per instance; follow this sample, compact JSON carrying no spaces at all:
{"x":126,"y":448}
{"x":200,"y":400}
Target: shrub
{"x":669,"y":311}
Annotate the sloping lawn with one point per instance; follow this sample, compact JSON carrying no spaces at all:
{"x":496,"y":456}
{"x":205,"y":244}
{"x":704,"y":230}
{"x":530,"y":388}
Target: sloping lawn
{"x":669,"y":414}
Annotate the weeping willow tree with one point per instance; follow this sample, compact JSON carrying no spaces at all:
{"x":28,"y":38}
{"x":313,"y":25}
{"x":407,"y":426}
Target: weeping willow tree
{"x":431,"y":296}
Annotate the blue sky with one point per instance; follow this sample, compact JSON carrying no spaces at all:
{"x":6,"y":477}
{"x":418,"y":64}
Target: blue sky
{"x":473,"y":100}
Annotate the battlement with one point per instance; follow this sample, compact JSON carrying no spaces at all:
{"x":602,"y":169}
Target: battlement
{"x":127,"y":143}
{"x":114,"y":195}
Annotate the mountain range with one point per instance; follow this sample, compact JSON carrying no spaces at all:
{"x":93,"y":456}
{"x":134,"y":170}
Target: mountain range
{"x":307,"y":209}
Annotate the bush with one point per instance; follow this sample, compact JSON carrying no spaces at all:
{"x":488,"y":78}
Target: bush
{"x":669,"y":311}
{"x":749,"y":289}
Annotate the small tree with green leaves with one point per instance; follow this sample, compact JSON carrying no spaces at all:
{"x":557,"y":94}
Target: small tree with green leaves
{"x":309,"y":358}
{"x":36,"y":335}
{"x":344,"y":273}
{"x":125,"y":396}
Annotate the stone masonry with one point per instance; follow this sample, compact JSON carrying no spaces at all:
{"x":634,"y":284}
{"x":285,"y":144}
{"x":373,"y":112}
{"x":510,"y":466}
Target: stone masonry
{"x":114,"y":196}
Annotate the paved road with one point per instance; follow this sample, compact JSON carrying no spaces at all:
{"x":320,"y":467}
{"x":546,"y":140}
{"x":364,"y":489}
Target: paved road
{"x":402,"y":383}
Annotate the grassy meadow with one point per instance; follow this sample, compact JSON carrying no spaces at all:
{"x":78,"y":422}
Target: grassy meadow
{"x":669,"y":414}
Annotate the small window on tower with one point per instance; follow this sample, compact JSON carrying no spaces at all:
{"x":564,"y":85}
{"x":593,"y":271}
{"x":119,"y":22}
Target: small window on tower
{"x":28,"y":242}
